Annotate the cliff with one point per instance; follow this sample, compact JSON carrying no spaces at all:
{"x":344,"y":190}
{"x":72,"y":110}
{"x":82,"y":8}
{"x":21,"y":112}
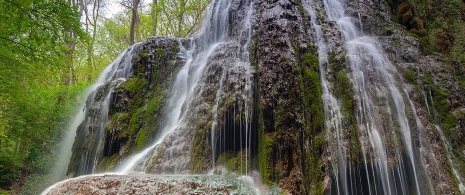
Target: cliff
{"x":321,"y":97}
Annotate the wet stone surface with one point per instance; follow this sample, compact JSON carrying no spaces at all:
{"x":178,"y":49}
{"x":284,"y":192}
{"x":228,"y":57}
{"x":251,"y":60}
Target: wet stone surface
{"x":151,"y":184}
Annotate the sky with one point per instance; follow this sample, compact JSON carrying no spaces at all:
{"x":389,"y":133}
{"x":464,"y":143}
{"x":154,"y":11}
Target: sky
{"x":114,"y":7}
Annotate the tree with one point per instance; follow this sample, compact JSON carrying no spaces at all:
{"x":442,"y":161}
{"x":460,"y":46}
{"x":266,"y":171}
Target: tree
{"x":35,"y":41}
{"x":179,"y":18}
{"x":135,"y":5}
{"x":91,"y":25}
{"x":154,"y":16}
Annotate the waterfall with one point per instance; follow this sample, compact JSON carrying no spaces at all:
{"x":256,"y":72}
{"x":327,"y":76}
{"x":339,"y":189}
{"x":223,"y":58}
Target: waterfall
{"x":366,"y":60}
{"x":189,"y":86}
{"x":182,"y":95}
{"x":330,"y":104}
{"x":449,"y":158}
{"x":211,"y":119}
{"x":95,"y":114}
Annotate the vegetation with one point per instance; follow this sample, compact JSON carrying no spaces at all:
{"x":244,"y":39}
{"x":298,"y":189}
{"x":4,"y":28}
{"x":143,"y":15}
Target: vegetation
{"x":439,"y":25}
{"x":38,"y":83}
{"x":314,"y":121}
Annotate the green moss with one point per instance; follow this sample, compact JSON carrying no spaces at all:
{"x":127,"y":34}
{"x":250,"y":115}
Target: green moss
{"x":144,"y":56}
{"x":136,"y":121}
{"x":427,"y":80}
{"x":313,"y":118}
{"x":232,"y":161}
{"x":265,"y":158}
{"x":425,"y":42}
{"x":355,"y":147}
{"x":160,"y":53}
{"x":343,"y":92}
{"x":134,"y":85}
{"x":155,"y":105}
{"x":315,"y":174}
{"x":310,"y":61}
{"x":123,"y":117}
{"x":141,"y":140}
{"x":200,"y":153}
{"x":410,"y":76}
{"x":107,"y":163}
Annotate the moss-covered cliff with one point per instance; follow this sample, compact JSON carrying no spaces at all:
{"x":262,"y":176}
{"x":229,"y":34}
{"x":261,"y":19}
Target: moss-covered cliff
{"x":264,"y":111}
{"x":291,"y":130}
{"x":136,"y":105}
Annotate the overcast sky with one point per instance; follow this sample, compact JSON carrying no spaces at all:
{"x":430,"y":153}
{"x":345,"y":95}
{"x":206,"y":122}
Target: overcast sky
{"x":114,"y":7}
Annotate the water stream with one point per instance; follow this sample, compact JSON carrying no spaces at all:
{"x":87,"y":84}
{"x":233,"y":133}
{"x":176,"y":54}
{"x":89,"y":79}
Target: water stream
{"x":392,"y":147}
{"x":97,"y":113}
{"x":330,"y":104}
{"x":372,"y":76}
{"x":189,"y":82}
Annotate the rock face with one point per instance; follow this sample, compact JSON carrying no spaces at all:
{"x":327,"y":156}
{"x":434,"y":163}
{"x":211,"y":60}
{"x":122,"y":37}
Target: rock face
{"x":256,"y":79}
{"x":123,"y":115}
{"x":433,"y":83}
{"x":289,"y":93}
{"x":147,"y":184}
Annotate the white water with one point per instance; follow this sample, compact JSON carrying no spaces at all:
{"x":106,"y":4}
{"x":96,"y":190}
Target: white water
{"x":449,"y":158}
{"x":183,"y":92}
{"x":364,"y":55}
{"x":179,"y":102}
{"x":188,"y":80}
{"x":241,"y":62}
{"x":425,"y":146}
{"x":115,"y":73}
{"x":61,"y":164}
{"x":331,"y":107}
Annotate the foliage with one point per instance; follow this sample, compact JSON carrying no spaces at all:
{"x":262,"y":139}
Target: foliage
{"x":439,"y":25}
{"x":178,"y":18}
{"x":38,"y":83}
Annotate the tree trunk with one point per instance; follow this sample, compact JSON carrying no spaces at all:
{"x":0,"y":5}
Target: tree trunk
{"x":182,"y":7}
{"x":154,"y":16}
{"x":135,"y":5}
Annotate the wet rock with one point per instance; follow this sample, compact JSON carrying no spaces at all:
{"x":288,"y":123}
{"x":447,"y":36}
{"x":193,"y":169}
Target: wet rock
{"x":151,"y":184}
{"x":122,"y":114}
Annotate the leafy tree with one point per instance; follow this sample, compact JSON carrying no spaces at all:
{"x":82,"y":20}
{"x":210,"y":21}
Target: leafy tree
{"x":179,"y":18}
{"x":35,"y":39}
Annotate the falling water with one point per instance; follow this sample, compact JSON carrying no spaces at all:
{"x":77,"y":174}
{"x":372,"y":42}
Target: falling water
{"x":188,"y":84}
{"x":449,"y":158}
{"x":181,"y":96}
{"x":331,"y":107}
{"x":424,"y":145}
{"x":112,"y":76}
{"x":61,"y":165}
{"x":367,"y":59}
{"x":241,"y":61}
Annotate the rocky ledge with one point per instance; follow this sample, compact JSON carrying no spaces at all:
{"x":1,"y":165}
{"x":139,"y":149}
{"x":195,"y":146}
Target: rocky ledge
{"x":150,"y":184}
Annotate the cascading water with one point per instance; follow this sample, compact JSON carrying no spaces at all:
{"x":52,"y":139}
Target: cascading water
{"x":189,"y":86}
{"x":96,"y":114}
{"x":366,"y":60}
{"x":449,"y":158}
{"x":182,"y":95}
{"x":211,"y":116}
{"x":331,"y":107}
{"x":241,"y":61}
